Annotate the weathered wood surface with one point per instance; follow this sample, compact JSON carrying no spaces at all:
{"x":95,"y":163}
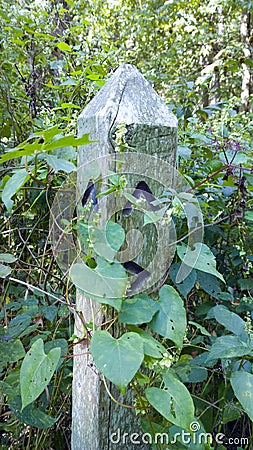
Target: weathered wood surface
{"x":152,"y":129}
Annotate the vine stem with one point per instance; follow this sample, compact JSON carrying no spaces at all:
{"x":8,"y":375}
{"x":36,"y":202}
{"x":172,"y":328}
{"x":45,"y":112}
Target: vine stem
{"x":114,"y":399}
{"x":207,"y":178}
{"x":32,"y":288}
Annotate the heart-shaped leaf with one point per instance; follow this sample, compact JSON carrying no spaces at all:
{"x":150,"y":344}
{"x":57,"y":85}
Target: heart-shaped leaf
{"x":174,"y":402}
{"x":36,"y":371}
{"x":118,"y":359}
{"x":105,"y":281}
{"x":185,"y":286}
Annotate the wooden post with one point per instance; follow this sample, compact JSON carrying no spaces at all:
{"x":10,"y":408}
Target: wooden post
{"x":128,"y":99}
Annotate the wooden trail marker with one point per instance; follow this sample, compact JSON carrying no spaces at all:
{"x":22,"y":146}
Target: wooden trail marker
{"x":128,"y":99}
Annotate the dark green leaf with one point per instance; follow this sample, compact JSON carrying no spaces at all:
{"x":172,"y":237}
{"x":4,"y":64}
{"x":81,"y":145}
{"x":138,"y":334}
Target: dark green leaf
{"x":18,"y":324}
{"x":139,"y":309}
{"x":229,"y":346}
{"x":230,"y":413}
{"x":49,"y":312}
{"x":185,"y":286}
{"x":228,"y":319}
{"x":170,"y":321}
{"x":11,"y":351}
{"x":31,"y":415}
{"x":209,"y":284}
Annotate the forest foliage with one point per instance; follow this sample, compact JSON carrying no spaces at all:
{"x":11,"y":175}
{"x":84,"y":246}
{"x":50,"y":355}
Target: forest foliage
{"x":55,"y":56}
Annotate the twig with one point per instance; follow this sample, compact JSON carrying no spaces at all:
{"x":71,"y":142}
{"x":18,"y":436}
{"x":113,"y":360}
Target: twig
{"x":32,"y":288}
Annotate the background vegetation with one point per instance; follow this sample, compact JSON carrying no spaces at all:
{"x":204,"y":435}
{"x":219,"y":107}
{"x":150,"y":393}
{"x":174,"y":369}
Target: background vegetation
{"x":55,"y":55}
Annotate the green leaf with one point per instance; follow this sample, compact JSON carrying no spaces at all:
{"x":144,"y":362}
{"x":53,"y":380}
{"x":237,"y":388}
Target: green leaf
{"x":69,"y":141}
{"x":7,"y":258}
{"x":170,"y":321}
{"x":188,"y":372}
{"x":64,"y":47}
{"x":118,"y":359}
{"x":105,"y":281}
{"x":4,"y":271}
{"x":249,"y":216}
{"x":228,"y":319}
{"x":67,"y":105}
{"x":18,"y":324}
{"x":36,"y":371}
{"x":139,"y":309}
{"x":230,"y":413}
{"x":115,"y":235}
{"x":201,"y":258}
{"x":106,"y":242}
{"x":153,"y":216}
{"x":187,"y":284}
{"x":57,"y":343}
{"x":60,"y":164}
{"x":31,"y":415}
{"x":11,"y":351}
{"x":209,"y":284}
{"x":242,"y":384}
{"x":174,"y":402}
{"x":246,"y":284}
{"x":23,"y":149}
{"x":69,"y":82}
{"x":229,"y":346}
{"x":50,"y":133}
{"x":151,"y":346}
{"x":184,"y":151}
{"x":50,"y":312}
{"x":200,"y":328}
{"x":12,"y":186}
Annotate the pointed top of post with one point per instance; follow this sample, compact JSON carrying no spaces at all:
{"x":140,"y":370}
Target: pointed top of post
{"x":128,"y":98}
